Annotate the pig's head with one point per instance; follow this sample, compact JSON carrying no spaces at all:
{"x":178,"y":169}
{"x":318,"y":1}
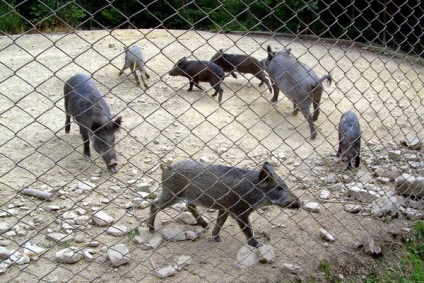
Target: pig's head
{"x":178,"y":69}
{"x":275,"y":190}
{"x":218,"y":56}
{"x":104,"y":141}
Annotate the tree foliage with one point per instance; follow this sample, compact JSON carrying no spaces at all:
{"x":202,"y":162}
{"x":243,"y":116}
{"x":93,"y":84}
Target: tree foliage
{"x":393,"y":23}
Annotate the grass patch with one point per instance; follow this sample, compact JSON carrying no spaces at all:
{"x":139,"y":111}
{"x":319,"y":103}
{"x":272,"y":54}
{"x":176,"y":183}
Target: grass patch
{"x":132,"y":233}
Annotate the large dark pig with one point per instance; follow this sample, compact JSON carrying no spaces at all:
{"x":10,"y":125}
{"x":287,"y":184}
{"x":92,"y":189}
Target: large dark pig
{"x":84,"y":102}
{"x":298,"y":82}
{"x":241,"y":63}
{"x":200,"y":71}
{"x":349,"y":139}
{"x":134,"y":59}
{"x":229,"y":190}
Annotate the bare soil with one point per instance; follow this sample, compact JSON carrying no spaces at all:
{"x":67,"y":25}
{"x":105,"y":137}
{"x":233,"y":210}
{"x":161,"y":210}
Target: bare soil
{"x":166,"y":122}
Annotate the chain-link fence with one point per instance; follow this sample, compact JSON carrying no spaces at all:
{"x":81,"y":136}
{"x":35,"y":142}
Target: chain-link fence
{"x":65,"y":218}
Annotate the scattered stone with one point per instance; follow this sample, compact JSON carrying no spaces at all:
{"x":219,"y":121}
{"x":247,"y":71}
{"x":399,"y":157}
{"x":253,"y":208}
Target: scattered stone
{"x":138,"y":240}
{"x":4,"y":253}
{"x":93,"y":244}
{"x":409,"y":185}
{"x":186,"y":218}
{"x":311,"y":206}
{"x":32,"y":251}
{"x":204,"y":159}
{"x":101,"y":218}
{"x":79,"y":238}
{"x":117,"y":230}
{"x":191,"y":235}
{"x":266,"y":254}
{"x":324,"y":234}
{"x":118,"y":254}
{"x":143,"y":187}
{"x":173,"y":234}
{"x":183,"y":261}
{"x":69,"y":215}
{"x":153,"y":243}
{"x":4,"y":227}
{"x":331,"y":178}
{"x":292,"y":268}
{"x":59,"y":237}
{"x":411,"y":142}
{"x":87,"y":256}
{"x":37,"y":193}
{"x":353,"y":208}
{"x":370,"y":247}
{"x":336,"y":187}
{"x":413,"y":214}
{"x":80,"y":220}
{"x":395,"y":155}
{"x":165,"y":272}
{"x":85,"y":186}
{"x":324,"y":194}
{"x":383,"y":180}
{"x":358,"y":193}
{"x":246,"y":257}
{"x":385,"y":206}
{"x":364,"y":176}
{"x":416,"y":165}
{"x":68,"y":256}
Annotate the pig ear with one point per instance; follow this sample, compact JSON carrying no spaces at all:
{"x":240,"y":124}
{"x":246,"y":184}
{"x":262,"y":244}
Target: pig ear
{"x":269,"y":49}
{"x":95,"y":126}
{"x":221,"y":51}
{"x":270,"y":54}
{"x":117,"y":123}
{"x":266,"y":174}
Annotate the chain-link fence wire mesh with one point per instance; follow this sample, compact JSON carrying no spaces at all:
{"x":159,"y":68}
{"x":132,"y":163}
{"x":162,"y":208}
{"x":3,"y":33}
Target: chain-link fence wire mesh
{"x":80,"y":223}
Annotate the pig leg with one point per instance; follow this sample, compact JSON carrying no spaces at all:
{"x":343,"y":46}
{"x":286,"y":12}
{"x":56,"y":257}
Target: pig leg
{"x":163,"y":202}
{"x":233,"y":75}
{"x":295,"y":109}
{"x":196,"y":83}
{"x":86,"y":139}
{"x":222,"y":217}
{"x":276,"y":91}
{"x":123,"y":69}
{"x":357,"y":161}
{"x":304,"y":108}
{"x":316,"y":99}
{"x":67,"y":123}
{"x":261,"y":76}
{"x":244,"y":224}
{"x":133,"y":70}
{"x":192,"y":208}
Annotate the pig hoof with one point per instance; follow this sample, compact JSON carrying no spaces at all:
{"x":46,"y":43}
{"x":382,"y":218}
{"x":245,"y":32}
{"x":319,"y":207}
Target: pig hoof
{"x":87,"y":158}
{"x":313,"y":136}
{"x":112,"y":170}
{"x":217,"y":238}
{"x":274,"y":100}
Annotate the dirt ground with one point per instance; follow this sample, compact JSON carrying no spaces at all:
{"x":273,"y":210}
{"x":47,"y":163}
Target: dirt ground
{"x":166,"y":122}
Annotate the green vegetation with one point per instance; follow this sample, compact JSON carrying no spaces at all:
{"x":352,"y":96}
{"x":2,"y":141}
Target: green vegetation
{"x":132,"y":233}
{"x":391,"y":23}
{"x":409,"y":268}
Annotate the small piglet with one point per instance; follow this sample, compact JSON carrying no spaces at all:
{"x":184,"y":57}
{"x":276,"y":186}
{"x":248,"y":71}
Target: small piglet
{"x":349,"y":139}
{"x":230,"y":190}
{"x":84,"y":102}
{"x":298,"y":82}
{"x":241,"y":63}
{"x":200,"y":71}
{"x":134,"y":59}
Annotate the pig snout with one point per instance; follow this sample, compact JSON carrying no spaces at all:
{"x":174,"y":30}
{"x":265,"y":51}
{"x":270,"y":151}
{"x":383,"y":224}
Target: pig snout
{"x":111,"y":166}
{"x":295,"y":204}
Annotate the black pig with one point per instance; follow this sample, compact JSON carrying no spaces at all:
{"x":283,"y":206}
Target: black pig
{"x":349,"y":139}
{"x":230,"y":190}
{"x":200,"y":71}
{"x":84,"y":102}
{"x":241,"y":63}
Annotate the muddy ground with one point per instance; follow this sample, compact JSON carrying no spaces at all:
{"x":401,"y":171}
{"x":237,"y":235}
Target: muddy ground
{"x":167,"y":123}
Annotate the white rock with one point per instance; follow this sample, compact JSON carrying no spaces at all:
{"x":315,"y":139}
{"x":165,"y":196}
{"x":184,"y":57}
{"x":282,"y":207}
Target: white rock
{"x":409,"y":185}
{"x":413,"y":214}
{"x":336,"y":187}
{"x":33,"y":251}
{"x":85,"y":186}
{"x":4,"y":253}
{"x":292,"y":268}
{"x":395,"y":155}
{"x":82,"y":219}
{"x":246,"y":257}
{"x":173,"y":234}
{"x":144,"y":204}
{"x":384,"y":206}
{"x":101,"y":218}
{"x":117,"y":230}
{"x":59,"y":237}
{"x":183,"y":261}
{"x":143,"y":187}
{"x":361,"y":195}
{"x":87,"y":256}
{"x":411,"y":142}
{"x":311,"y":206}
{"x":324,"y":194}
{"x":68,"y":256}
{"x":265,"y":254}
{"x":204,"y":159}
{"x":155,"y":242}
{"x":186,"y":218}
{"x":191,"y":235}
{"x":165,"y":271}
{"x":139,"y":240}
{"x":4,"y":227}
{"x":324,"y":234}
{"x":353,"y":208}
{"x":118,"y":254}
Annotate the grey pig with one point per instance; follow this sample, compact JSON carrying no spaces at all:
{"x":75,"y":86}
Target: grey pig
{"x":241,"y":63}
{"x":200,"y":71}
{"x":230,"y":190}
{"x":134,"y":59}
{"x":349,"y":139}
{"x":298,"y":82}
{"x":84,"y":102}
